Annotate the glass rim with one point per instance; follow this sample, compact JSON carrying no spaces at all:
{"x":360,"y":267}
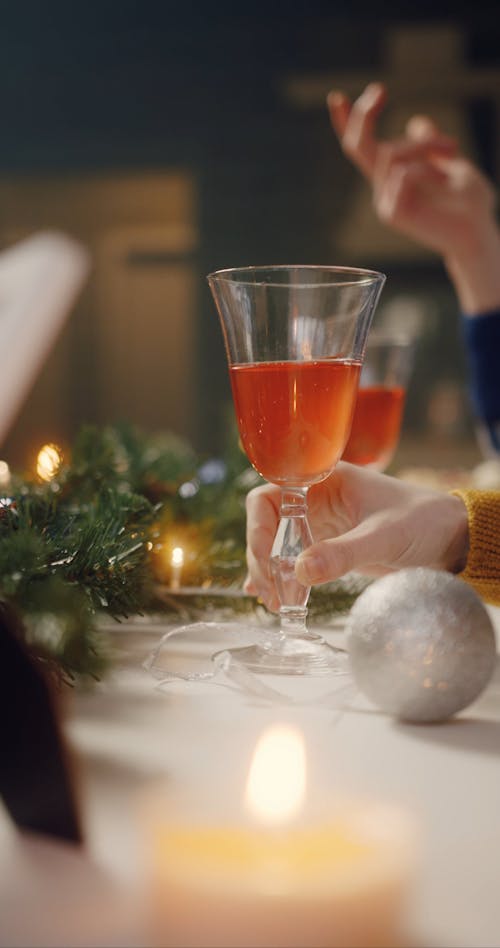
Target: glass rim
{"x":367,"y":276}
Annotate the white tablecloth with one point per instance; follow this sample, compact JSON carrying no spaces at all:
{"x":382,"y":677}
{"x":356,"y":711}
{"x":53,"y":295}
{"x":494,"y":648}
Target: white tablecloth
{"x":126,"y":734}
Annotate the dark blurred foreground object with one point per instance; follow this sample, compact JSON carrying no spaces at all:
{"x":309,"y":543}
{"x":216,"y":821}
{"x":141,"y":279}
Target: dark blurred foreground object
{"x":35,"y":781}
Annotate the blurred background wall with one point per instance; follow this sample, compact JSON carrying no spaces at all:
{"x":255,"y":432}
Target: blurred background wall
{"x":174,"y":139}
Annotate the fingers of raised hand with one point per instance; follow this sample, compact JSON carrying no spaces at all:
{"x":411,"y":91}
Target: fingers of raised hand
{"x":355,"y":124}
{"x":421,"y":129}
{"x":402,"y":185}
{"x":339,"y":107}
{"x":404,"y":152}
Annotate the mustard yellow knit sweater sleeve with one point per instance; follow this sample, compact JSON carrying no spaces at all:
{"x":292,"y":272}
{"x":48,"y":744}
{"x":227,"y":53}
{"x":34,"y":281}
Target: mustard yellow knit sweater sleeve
{"x":482,"y":569}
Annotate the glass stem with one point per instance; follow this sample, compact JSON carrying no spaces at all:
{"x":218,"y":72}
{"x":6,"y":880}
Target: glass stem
{"x":292,"y":537}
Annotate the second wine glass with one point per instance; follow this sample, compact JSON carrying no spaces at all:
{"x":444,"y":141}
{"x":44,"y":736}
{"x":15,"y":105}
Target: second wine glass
{"x":380,"y":401}
{"x":295,"y":340}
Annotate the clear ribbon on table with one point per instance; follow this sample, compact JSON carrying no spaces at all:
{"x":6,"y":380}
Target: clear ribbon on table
{"x":225,"y":669}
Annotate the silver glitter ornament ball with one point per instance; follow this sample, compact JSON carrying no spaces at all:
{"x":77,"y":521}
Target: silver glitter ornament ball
{"x":421,"y":644}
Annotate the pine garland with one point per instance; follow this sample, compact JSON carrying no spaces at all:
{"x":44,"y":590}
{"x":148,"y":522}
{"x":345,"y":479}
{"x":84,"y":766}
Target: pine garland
{"x":96,"y":538}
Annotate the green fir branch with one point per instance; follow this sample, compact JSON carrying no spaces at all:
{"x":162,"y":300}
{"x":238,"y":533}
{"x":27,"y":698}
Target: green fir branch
{"x":91,"y":540}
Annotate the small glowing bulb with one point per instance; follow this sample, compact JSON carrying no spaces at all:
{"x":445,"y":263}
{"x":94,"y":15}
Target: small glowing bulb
{"x":276,"y":783}
{"x":4,"y":474}
{"x":48,"y":462}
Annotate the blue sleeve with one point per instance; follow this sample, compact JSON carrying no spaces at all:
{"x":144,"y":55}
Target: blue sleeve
{"x":482,"y":341}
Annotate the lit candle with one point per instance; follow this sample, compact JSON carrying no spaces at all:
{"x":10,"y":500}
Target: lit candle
{"x":176,"y":564}
{"x":273,"y":879}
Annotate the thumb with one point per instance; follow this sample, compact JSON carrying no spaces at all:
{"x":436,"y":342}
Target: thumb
{"x":377,"y":541}
{"x":422,"y":130}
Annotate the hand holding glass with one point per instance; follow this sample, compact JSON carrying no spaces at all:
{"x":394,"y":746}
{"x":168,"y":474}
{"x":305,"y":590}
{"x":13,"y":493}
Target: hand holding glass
{"x":295,"y":341}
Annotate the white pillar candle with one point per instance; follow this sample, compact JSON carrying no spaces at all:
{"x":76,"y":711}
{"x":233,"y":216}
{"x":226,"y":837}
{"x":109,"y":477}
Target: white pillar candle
{"x":276,"y":879}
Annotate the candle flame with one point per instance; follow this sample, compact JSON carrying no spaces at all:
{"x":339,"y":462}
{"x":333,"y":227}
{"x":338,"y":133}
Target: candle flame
{"x":177,"y":556}
{"x":48,"y":462}
{"x":276,"y":782}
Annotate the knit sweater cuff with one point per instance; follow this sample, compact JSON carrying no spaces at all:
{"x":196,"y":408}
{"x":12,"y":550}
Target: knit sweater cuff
{"x":482,"y":570}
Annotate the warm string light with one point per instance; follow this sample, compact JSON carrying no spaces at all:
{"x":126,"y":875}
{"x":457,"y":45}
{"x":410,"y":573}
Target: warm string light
{"x":48,"y":462}
{"x":4,"y":474}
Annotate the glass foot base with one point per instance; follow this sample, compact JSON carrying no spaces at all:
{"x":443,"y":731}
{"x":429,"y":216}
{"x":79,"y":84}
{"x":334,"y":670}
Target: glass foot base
{"x":298,"y":657}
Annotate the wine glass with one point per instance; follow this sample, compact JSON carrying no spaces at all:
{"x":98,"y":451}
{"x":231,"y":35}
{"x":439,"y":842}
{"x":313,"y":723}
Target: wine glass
{"x":380,"y":401}
{"x":295,"y":339}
